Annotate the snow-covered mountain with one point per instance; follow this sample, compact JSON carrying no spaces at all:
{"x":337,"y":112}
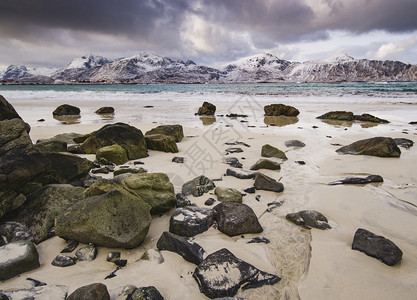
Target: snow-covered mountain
{"x":150,"y":68}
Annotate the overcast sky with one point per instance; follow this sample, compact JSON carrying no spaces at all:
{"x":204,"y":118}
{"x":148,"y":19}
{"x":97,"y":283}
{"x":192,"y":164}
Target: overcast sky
{"x":52,"y":32}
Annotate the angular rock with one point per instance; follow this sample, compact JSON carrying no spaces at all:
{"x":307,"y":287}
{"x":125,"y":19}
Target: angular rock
{"x":369,"y":118}
{"x":207,"y":109}
{"x":112,"y":154}
{"x":358,"y":180}
{"x":198,"y":186}
{"x":250,"y":190}
{"x":264,"y":163}
{"x":376,"y":246}
{"x":378,"y":146}
{"x":103,"y":186}
{"x":405,"y":143}
{"x":161,"y":142}
{"x":51,"y":146}
{"x":337,"y":115}
{"x":7,"y":111}
{"x":128,"y":137}
{"x":114,"y":219}
{"x":154,"y":188}
{"x":146,"y":293}
{"x":308,"y":219}
{"x":174,"y":131}
{"x":295,"y":143}
{"x":281,"y":110}
{"x":63,"y":261}
{"x":190,"y":251}
{"x":94,"y":291}
{"x":263,"y":182}
{"x":66,"y":110}
{"x":270,"y":151}
{"x":259,"y":240}
{"x":14,"y":231}
{"x":87,"y":253}
{"x":190,"y":221}
{"x":228,"y":195}
{"x":16,"y":258}
{"x":232,"y":161}
{"x":72,"y":245}
{"x":221,"y":274}
{"x":241,"y":174}
{"x":236,"y":218}
{"x":153,"y":255}
{"x":105,"y":110}
{"x":182,"y":201}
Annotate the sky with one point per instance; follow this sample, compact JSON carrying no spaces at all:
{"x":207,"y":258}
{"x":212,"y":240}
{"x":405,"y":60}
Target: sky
{"x":50,"y":33}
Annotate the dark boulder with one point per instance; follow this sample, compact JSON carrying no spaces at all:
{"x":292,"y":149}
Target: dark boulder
{"x":369,"y":118}
{"x":376,"y":246}
{"x":13,"y":231}
{"x":190,"y":221}
{"x":405,"y":143}
{"x":182,"y":201}
{"x":232,"y":161}
{"x":105,"y":110}
{"x":358,"y":180}
{"x":94,"y":291}
{"x":308,"y":219}
{"x":178,"y":159}
{"x":190,"y":251}
{"x":206,"y":109}
{"x":63,"y":261}
{"x":7,"y":111}
{"x":263,"y":182}
{"x":338,"y":115}
{"x":66,"y":110}
{"x":221,"y":274}
{"x":72,"y":245}
{"x":161,"y":142}
{"x":236,"y":218}
{"x":378,"y":146}
{"x":198,"y":186}
{"x":16,"y":258}
{"x":281,"y":110}
{"x":145,"y":293}
{"x":174,"y":131}
{"x":264,"y":163}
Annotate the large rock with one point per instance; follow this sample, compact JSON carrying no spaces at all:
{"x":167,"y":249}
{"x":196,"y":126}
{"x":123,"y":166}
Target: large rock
{"x":190,"y":221}
{"x":14,"y":231}
{"x":270,"y":151}
{"x":43,"y":206}
{"x":337,"y":115}
{"x":145,"y":293}
{"x":376,"y":246}
{"x":308,"y":219}
{"x":263,"y":182}
{"x":51,"y":146}
{"x":197,"y":186}
{"x":221,"y":274}
{"x":7,"y":111}
{"x":66,"y":110}
{"x":190,"y":251}
{"x":174,"y":131}
{"x":161,"y":142}
{"x":112,"y":154}
{"x":369,"y":118}
{"x":378,"y":146}
{"x":207,"y":109}
{"x":114,"y":220}
{"x":281,"y":110}
{"x":16,"y":258}
{"x":129,"y":137}
{"x":264,"y":163}
{"x":236,"y":218}
{"x":94,"y":291}
{"x":154,"y":188}
{"x":228,"y":195}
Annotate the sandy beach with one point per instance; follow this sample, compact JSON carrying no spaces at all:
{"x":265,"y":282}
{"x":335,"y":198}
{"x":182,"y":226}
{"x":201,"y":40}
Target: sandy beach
{"x":312,"y":263}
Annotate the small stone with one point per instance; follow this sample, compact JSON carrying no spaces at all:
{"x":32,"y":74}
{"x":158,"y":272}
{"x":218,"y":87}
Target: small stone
{"x":105,"y":110}
{"x":63,"y":261}
{"x":234,"y":150}
{"x":35,"y":282}
{"x":263,"y":182}
{"x":153,"y":255}
{"x":232,"y":161}
{"x":87,"y":253}
{"x":308,"y":219}
{"x":178,"y":160}
{"x":295,"y":143}
{"x":210,"y":201}
{"x":70,"y":247}
{"x":259,"y":239}
{"x":113,"y":256}
{"x":404,"y":143}
{"x":250,"y":190}
{"x":228,"y":195}
{"x":198,"y":186}
{"x":241,"y":174}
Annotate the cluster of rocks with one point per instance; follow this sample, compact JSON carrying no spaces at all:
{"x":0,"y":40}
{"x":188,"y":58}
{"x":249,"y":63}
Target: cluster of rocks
{"x":70,"y":110}
{"x":350,"y":116}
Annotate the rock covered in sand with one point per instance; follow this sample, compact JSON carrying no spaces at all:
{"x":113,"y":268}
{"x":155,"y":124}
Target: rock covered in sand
{"x":308,"y":219}
{"x":190,"y":221}
{"x":16,"y":258}
{"x":228,"y":194}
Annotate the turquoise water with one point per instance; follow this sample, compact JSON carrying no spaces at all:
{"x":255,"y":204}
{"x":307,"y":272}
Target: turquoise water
{"x":284,"y":89}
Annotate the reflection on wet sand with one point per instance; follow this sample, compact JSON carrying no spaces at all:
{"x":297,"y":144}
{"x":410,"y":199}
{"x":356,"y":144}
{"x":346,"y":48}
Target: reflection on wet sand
{"x":340,"y":123}
{"x":107,"y":116}
{"x":280,"y":120}
{"x":75,"y":119}
{"x":208,"y":120}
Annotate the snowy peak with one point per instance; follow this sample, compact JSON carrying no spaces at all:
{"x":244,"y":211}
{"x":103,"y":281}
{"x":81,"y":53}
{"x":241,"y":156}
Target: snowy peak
{"x":16,"y":72}
{"x":256,"y":62}
{"x":87,"y":62}
{"x":339,"y":59}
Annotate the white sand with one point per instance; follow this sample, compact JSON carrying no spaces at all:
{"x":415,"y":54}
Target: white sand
{"x":333,"y":271}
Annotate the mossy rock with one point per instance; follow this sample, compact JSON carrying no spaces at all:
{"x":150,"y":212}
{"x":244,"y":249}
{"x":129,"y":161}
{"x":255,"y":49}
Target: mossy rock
{"x":270,"y":151}
{"x":338,"y":115}
{"x":228,"y":195}
{"x":264,"y":163}
{"x":51,"y":146}
{"x":174,"y":131}
{"x":113,"y":154}
{"x":281,"y":110}
{"x":161,"y":142}
{"x":103,"y":186}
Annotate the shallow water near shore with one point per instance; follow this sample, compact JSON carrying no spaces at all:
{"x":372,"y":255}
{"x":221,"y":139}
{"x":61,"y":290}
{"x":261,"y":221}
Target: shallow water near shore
{"x":313,"y":264}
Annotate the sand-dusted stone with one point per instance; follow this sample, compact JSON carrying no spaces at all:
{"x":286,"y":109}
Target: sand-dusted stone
{"x":115,"y":154}
{"x":66,"y":110}
{"x":102,"y":186}
{"x":72,"y":245}
{"x":295,"y":143}
{"x":153,"y":255}
{"x":128,"y":137}
{"x":236,"y":218}
{"x":114,"y":219}
{"x":16,"y":258}
{"x":233,"y":162}
{"x":337,"y":115}
{"x":198,"y":186}
{"x":44,"y":205}
{"x":405,"y":143}
{"x":221,"y":274}
{"x":14,"y":231}
{"x":182,"y":201}
{"x":228,"y":194}
{"x":270,"y":151}
{"x":190,"y":251}
{"x":174,"y":131}
{"x":7,"y":111}
{"x":376,"y":246}
{"x":87,"y":253}
{"x":56,"y":292}
{"x":281,"y":110}
{"x":358,"y":180}
{"x":154,"y":188}
{"x":369,"y":118}
{"x":63,"y":261}
{"x":206,"y":109}
{"x":263,"y":182}
{"x":190,"y":221}
{"x":241,"y":174}
{"x":94,"y":291}
{"x":51,"y":146}
{"x":178,"y":159}
{"x":161,"y":142}
{"x":146,"y":293}
{"x":377,"y":146}
{"x":308,"y":219}
{"x":105,"y":110}
{"x":268,"y":164}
